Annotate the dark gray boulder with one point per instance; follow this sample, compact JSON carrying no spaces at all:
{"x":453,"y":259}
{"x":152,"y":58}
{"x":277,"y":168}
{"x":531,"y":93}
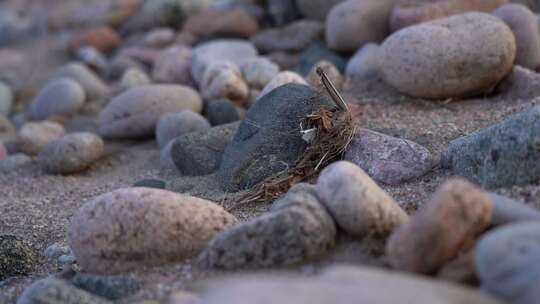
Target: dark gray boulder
{"x":268,"y":140}
{"x":502,"y":155}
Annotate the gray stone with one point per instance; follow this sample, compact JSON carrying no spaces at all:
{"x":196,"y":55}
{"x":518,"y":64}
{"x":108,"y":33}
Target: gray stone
{"x":293,"y":37}
{"x":364,"y":64}
{"x":387,"y":159}
{"x":200,"y":153}
{"x":6,"y":99}
{"x":93,"y":58}
{"x":221,"y":111}
{"x":66,"y":259}
{"x":282,"y":11}
{"x":109,"y":287}
{"x":268,"y":140}
{"x":502,"y":155}
{"x":173,"y":65}
{"x":282,"y":78}
{"x":55,"y":291}
{"x":317,"y":53}
{"x":16,"y":257}
{"x":507,"y":211}
{"x":507,"y":259}
{"x":172,"y":125}
{"x":61,"y":96}
{"x":522,"y":83}
{"x":316,"y":9}
{"x":93,"y":86}
{"x":297,"y":230}
{"x":134,"y":77}
{"x":259,"y":72}
{"x":55,"y":250}
{"x":12,"y":162}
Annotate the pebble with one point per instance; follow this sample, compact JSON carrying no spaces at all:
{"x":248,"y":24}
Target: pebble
{"x":522,"y":83}
{"x":158,"y":38}
{"x":281,"y":12}
{"x":293,"y":37}
{"x":16,"y":257}
{"x":406,"y":14}
{"x":200,"y":153}
{"x":67,"y":259}
{"x":14,"y":161}
{"x":55,"y":250}
{"x":388,"y":159}
{"x":364,"y":64}
{"x":507,"y":211}
{"x":55,"y":291}
{"x":351,"y":24}
{"x":92,"y":85}
{"x":236,"y":51}
{"x":285,"y":61}
{"x":226,"y":23}
{"x":151,"y":183}
{"x":268,"y":140}
{"x":72,"y":153}
{"x":300,"y":230}
{"x":135,"y":113}
{"x":224,"y":80}
{"x":473,"y":39}
{"x":33,"y":136}
{"x":447,"y":225}
{"x":108,"y":287}
{"x":172,"y":125}
{"x":502,"y":155}
{"x":507,"y":261}
{"x":356,"y":203}
{"x":258,"y":72}
{"x":104,"y":39}
{"x":6,"y":99}
{"x":136,"y":227}
{"x":524,"y":25}
{"x":331,"y":71}
{"x":118,"y":65}
{"x":316,"y":53}
{"x":281,"y":79}
{"x":316,"y":9}
{"x":221,"y":111}
{"x":60,"y":97}
{"x":93,"y":58}
{"x":173,"y":65}
{"x":134,"y":77}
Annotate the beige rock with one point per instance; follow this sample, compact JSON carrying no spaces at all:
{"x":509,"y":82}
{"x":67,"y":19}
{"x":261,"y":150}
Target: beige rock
{"x":280,"y":79}
{"x":173,"y":65}
{"x":331,"y":71}
{"x":224,"y":80}
{"x":258,"y":72}
{"x":33,"y":136}
{"x":135,"y":227}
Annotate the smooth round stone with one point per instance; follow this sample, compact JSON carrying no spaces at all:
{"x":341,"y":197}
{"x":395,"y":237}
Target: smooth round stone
{"x":92,"y":85}
{"x":172,"y":125}
{"x":72,"y":153}
{"x":55,"y":250}
{"x":258,"y":72}
{"x":151,"y":183}
{"x":234,"y":22}
{"x":454,"y":57}
{"x":6,"y":99}
{"x":59,"y":97}
{"x":524,"y":25}
{"x":135,"y":113}
{"x":282,"y":79}
{"x":316,"y":9}
{"x":12,"y":162}
{"x":16,"y":257}
{"x":134,"y":77}
{"x":173,"y":65}
{"x":92,"y":58}
{"x":507,"y":260}
{"x":121,"y":63}
{"x":136,"y":227}
{"x":224,"y":80}
{"x":316,"y":53}
{"x":356,"y":203}
{"x":508,"y":211}
{"x":353,"y":23}
{"x":294,"y":37}
{"x":33,"y":136}
{"x":447,"y":225}
{"x":364,"y":64}
{"x":159,"y":38}
{"x":221,"y":111}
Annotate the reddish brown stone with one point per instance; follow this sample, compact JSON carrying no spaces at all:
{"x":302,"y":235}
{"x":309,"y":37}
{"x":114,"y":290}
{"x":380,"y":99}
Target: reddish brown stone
{"x":103,"y":38}
{"x":234,"y":23}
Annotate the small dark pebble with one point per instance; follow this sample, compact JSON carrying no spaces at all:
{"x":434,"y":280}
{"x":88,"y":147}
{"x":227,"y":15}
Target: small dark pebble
{"x":109,"y":287}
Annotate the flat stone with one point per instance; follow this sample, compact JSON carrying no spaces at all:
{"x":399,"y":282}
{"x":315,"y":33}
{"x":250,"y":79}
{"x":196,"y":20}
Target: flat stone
{"x":55,"y":291}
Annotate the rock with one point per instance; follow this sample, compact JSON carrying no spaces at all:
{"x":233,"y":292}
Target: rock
{"x":93,"y":58}
{"x":317,"y":53}
{"x":507,"y":260}
{"x":522,"y":83}
{"x":229,"y":23}
{"x":135,"y":113}
{"x":165,"y":157}
{"x":60,"y":97}
{"x":7,"y":129}
{"x":72,"y":153}
{"x":221,"y":111}
{"x":285,"y":61}
{"x":224,"y":80}
{"x":316,"y":9}
{"x":410,"y":12}
{"x":134,"y":77}
{"x":66,"y":259}
{"x":173,"y":65}
{"x":507,"y":211}
{"x":502,"y":155}
{"x":298,"y":231}
{"x":387,"y":159}
{"x":93,"y":86}
{"x":356,"y":203}
{"x":172,"y":125}
{"x":460,"y":270}
{"x":364,"y":64}
{"x":55,"y":250}
{"x":158,"y":38}
{"x":3,"y":152}
{"x":104,"y":39}
{"x":330,"y":70}
{"x":54,"y":291}
{"x":6,"y":99}
{"x":182,"y":297}
{"x":16,"y":257}
{"x":135,"y":227}
{"x":282,"y":11}
{"x":281,"y":79}
{"x":12,"y":162}
{"x":151,"y":183}
{"x":524,"y":25}
{"x":200,"y":153}
{"x":293,"y":37}
{"x":469,"y":68}
{"x":447,"y":225}
{"x":119,"y":64}
{"x":33,"y":136}
{"x":258,"y":72}
{"x":341,"y":285}
{"x":268,"y":139}
{"x":234,"y":50}
{"x":352,"y":23}
{"x":108,"y":287}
